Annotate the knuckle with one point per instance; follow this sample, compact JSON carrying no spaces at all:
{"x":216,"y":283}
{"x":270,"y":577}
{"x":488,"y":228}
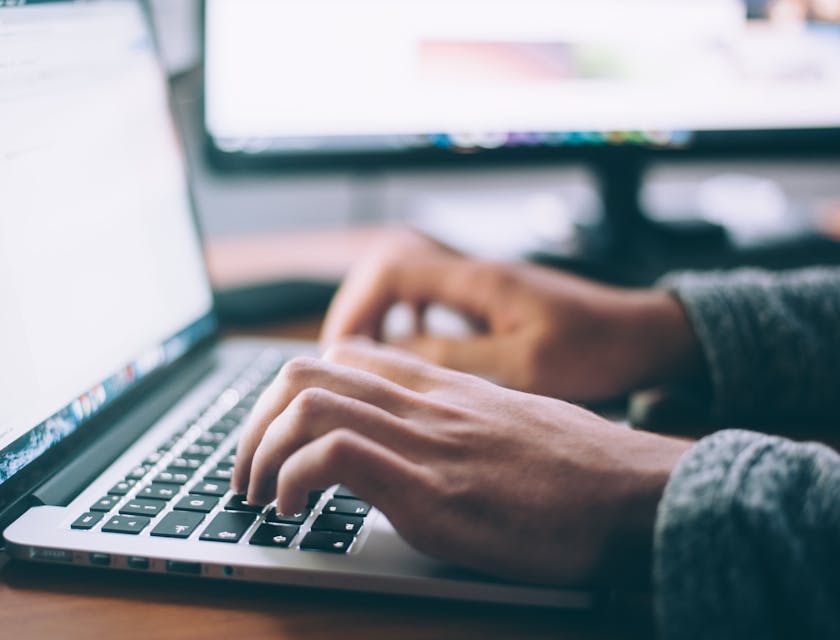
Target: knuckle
{"x":311,"y":403}
{"x":299,"y":369}
{"x":383,"y":261}
{"x":341,"y":351}
{"x":499,"y":276}
{"x":339,"y":445}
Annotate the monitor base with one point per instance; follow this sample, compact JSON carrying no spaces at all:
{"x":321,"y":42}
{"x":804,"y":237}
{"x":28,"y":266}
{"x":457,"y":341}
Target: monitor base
{"x":629,"y":248}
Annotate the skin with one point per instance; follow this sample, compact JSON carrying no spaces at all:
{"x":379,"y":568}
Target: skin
{"x":496,"y":478}
{"x":513,"y":484}
{"x":536,"y":330}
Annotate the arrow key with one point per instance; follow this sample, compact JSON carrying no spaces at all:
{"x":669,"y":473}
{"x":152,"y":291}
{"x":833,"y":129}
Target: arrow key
{"x":178,"y":524}
{"x":274,"y":535}
{"x":327,"y":541}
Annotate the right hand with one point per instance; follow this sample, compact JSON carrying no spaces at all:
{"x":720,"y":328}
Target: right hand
{"x":515,"y":485}
{"x":538,"y":330}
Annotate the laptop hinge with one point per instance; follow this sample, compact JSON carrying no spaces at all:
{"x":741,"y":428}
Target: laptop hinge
{"x":74,"y":477}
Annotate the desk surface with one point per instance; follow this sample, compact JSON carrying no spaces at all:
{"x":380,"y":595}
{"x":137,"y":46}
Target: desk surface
{"x":39,"y":601}
{"x":68,"y":603}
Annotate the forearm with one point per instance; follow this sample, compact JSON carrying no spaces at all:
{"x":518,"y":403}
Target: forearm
{"x":746,"y":541}
{"x":771,"y":342}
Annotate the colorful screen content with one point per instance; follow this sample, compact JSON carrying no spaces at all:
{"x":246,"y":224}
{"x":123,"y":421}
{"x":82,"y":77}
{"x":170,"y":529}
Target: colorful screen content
{"x":310,"y":75}
{"x":101,"y":274}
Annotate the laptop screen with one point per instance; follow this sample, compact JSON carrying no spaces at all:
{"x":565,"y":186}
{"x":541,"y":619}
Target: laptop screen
{"x":101,"y":273}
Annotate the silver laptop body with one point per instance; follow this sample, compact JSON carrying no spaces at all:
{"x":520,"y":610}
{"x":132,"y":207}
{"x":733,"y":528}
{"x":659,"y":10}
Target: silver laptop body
{"x":120,"y":406}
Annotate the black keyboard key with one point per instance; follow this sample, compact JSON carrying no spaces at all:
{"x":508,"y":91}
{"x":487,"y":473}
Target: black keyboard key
{"x":86,"y":521}
{"x":153,"y":458}
{"x":105,"y":504}
{"x":237,"y":414}
{"x":185,"y":464}
{"x":212,"y":438}
{"x":198,"y":451}
{"x":172,"y":477}
{"x":227,"y":461}
{"x":293,"y":518}
{"x":314,"y":497}
{"x":141,"y":507}
{"x":327,"y":541}
{"x":200,"y":504}
{"x":216,"y":488}
{"x":224,"y":426}
{"x":338,"y":524}
{"x":126,"y":524}
{"x":237,"y":503}
{"x":274,"y":535}
{"x":173,"y":442}
{"x":159,"y":491}
{"x":220,"y":473}
{"x":178,"y":524}
{"x":229,"y":526}
{"x":138,"y":472}
{"x":347,"y":507}
{"x":121,"y":488}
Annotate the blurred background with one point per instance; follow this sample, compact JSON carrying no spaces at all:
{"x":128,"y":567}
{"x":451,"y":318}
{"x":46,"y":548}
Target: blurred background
{"x":621,"y":140}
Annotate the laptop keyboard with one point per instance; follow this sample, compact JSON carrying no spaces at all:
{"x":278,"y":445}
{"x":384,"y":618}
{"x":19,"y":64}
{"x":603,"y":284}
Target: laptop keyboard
{"x":182,"y":489}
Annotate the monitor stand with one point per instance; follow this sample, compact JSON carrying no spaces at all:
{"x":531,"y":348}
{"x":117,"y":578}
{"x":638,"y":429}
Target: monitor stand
{"x":628,"y":247}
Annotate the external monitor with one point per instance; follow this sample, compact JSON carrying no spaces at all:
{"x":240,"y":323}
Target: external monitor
{"x":411,"y":79}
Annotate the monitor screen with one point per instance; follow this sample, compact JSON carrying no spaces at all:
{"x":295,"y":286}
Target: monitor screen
{"x":101,"y":272}
{"x":337,"y":76}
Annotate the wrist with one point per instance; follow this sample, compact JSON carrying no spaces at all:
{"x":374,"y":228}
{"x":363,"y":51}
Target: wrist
{"x":665,"y":347}
{"x":629,"y":547}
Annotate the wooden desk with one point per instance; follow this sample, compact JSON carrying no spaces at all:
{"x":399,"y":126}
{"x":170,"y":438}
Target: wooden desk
{"x":64,"y":603}
{"x":38,"y":601}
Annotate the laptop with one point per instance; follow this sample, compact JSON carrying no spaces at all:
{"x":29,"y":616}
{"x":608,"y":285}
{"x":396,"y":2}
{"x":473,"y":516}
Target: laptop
{"x":121,"y":405}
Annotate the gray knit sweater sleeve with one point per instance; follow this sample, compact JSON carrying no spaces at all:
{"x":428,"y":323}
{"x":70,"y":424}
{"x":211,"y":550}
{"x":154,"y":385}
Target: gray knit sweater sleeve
{"x":771,"y":342}
{"x":747,"y":541}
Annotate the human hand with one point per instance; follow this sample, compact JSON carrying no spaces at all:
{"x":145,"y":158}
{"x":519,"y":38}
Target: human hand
{"x":537,"y":330}
{"x":512,"y":484}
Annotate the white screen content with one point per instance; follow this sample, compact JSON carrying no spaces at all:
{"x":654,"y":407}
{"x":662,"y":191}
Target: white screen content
{"x":99,"y":258}
{"x":286,"y":68}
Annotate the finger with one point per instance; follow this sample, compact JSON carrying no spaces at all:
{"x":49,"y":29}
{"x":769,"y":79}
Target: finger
{"x":362,"y":302}
{"x":304,"y":373}
{"x":397,"y":365}
{"x":481,"y":355}
{"x":313,"y":414}
{"x":373,"y":472}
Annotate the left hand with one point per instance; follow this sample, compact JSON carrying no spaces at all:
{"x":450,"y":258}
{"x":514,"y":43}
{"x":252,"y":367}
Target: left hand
{"x":516,"y":485}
